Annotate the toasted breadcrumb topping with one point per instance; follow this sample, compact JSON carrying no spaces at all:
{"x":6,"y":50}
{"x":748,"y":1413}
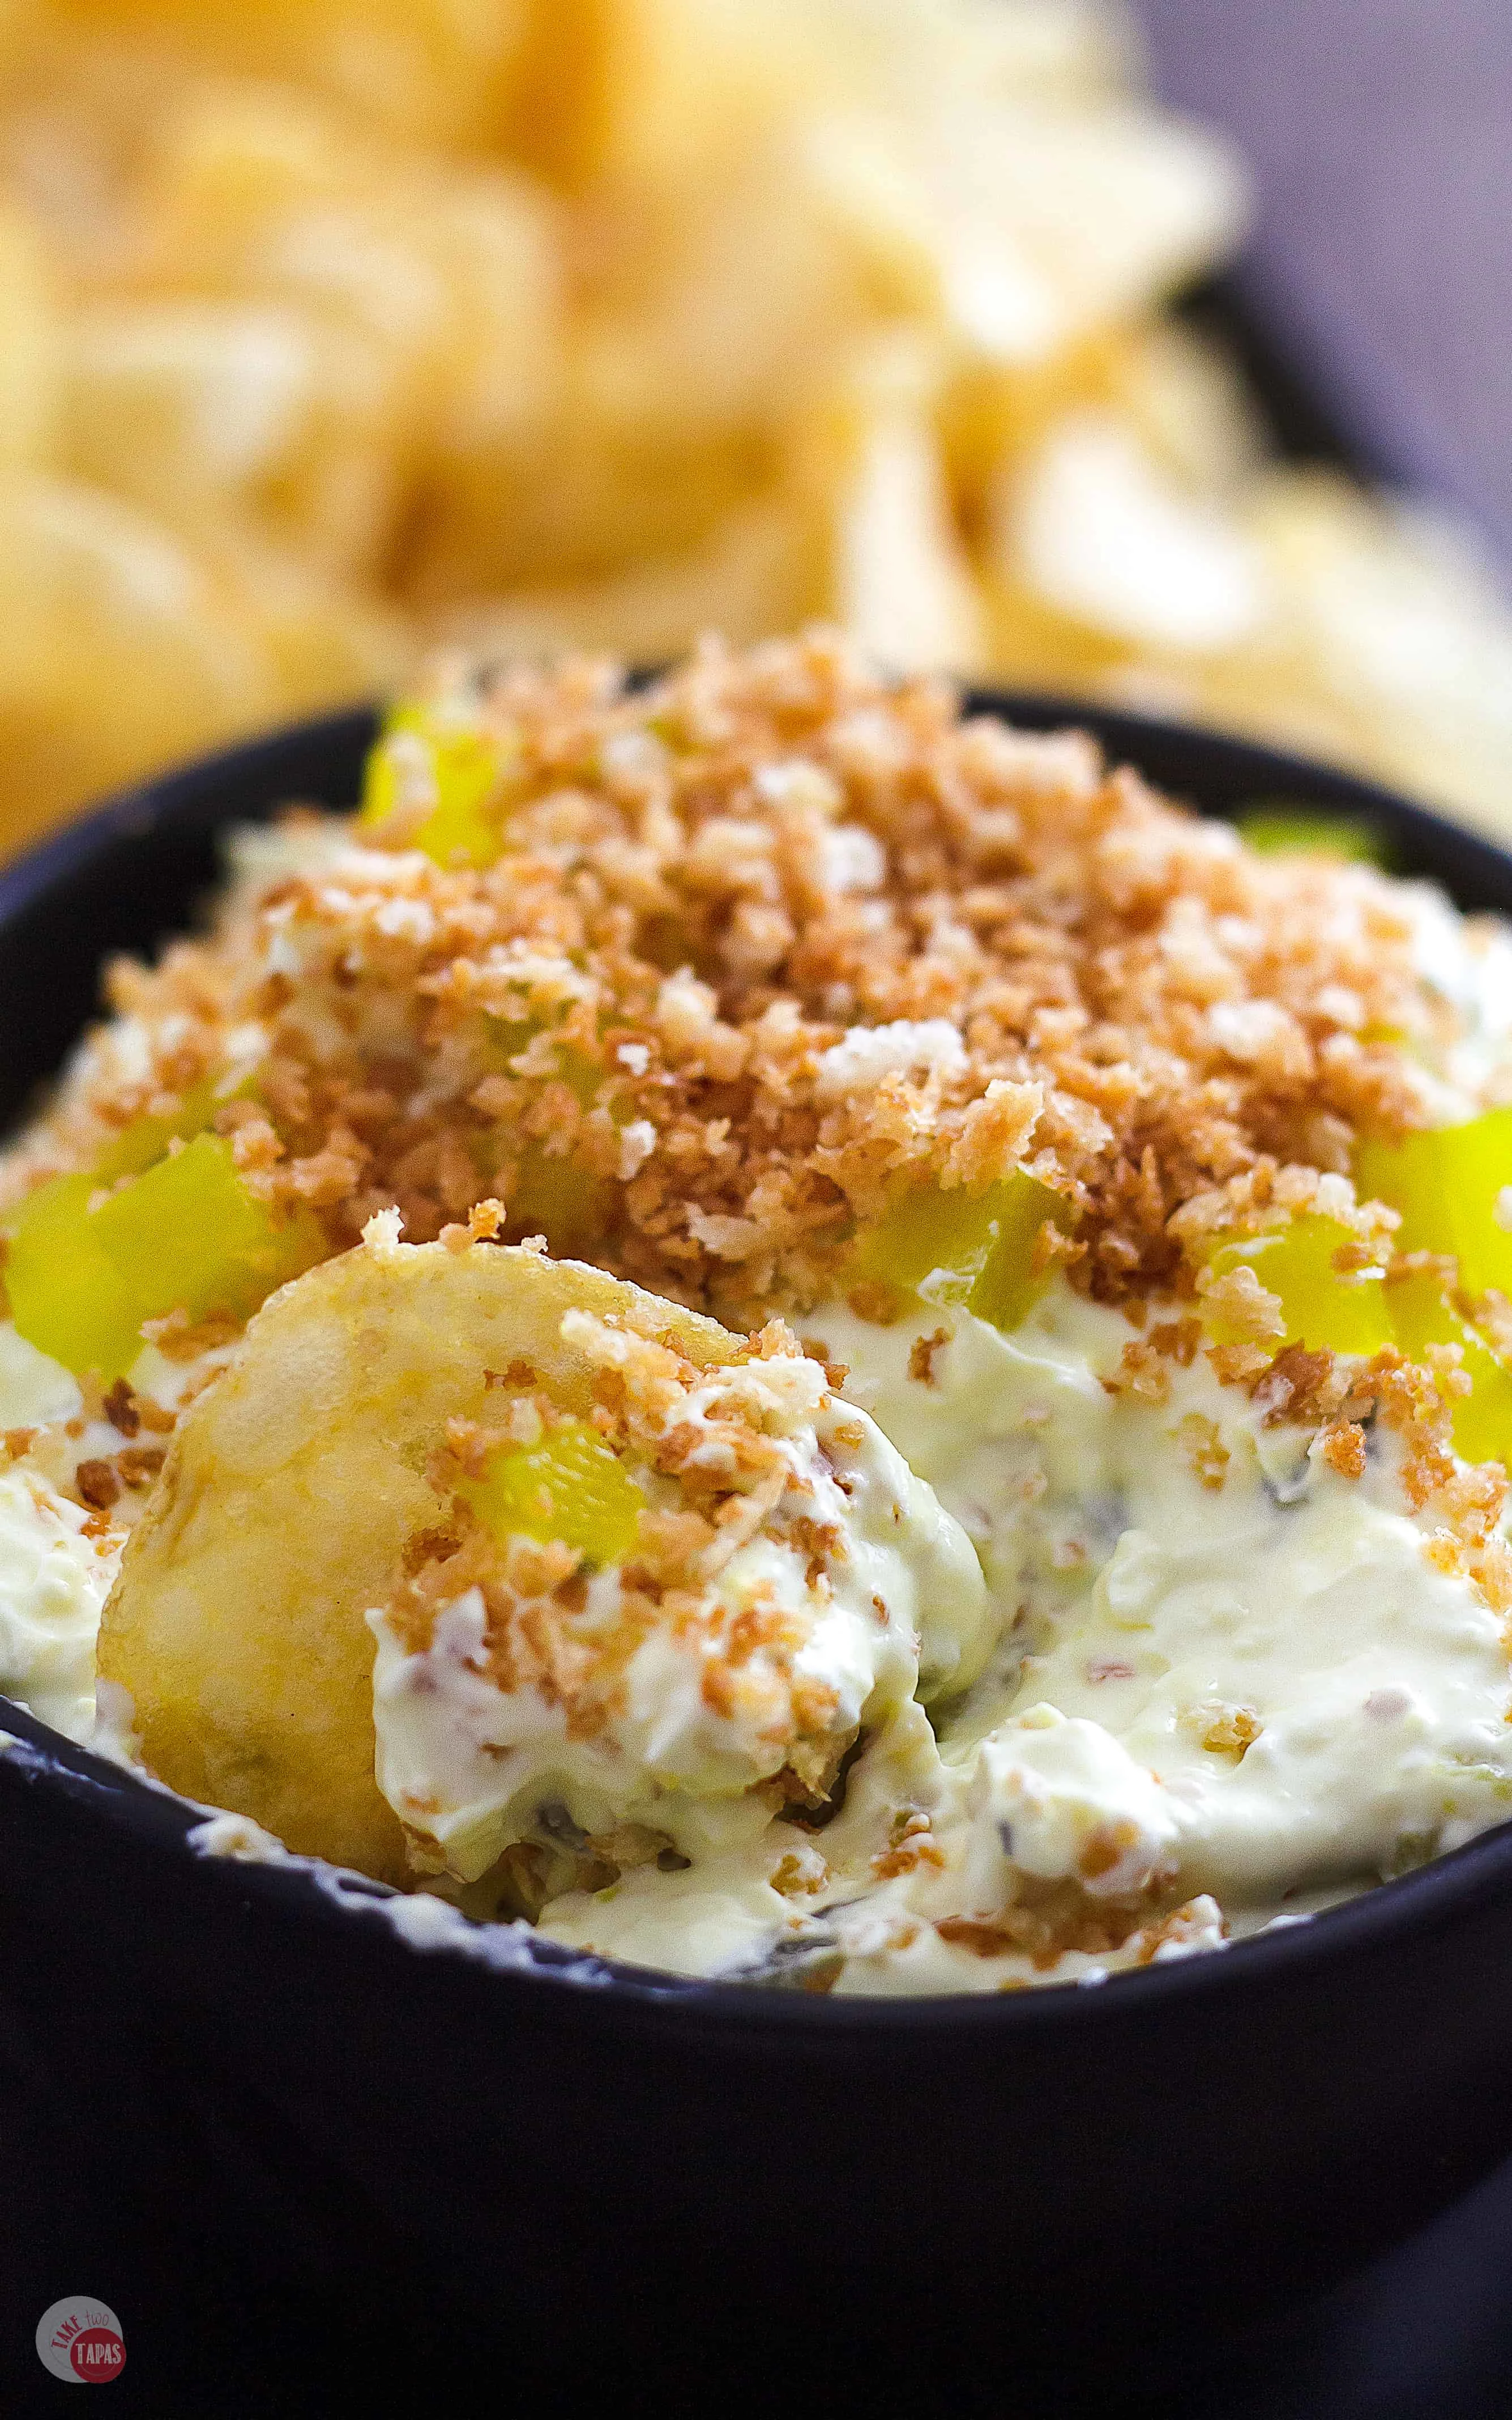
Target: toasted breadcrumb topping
{"x":763,"y":940}
{"x":733,"y":1442}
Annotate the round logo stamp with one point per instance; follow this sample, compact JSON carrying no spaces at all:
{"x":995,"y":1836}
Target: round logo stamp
{"x":80,"y":2341}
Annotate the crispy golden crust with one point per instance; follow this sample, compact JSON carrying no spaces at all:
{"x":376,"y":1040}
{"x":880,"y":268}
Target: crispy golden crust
{"x":620,"y":1030}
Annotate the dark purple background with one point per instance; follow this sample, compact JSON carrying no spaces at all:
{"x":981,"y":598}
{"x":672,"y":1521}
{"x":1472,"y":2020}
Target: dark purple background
{"x":1381,"y":135}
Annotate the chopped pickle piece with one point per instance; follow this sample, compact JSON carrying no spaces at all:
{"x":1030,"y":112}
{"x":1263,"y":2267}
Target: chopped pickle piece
{"x":187,"y":1235}
{"x":1276,"y":828}
{"x":66,"y":1296}
{"x":425,"y":751}
{"x":143,"y":1143}
{"x":1448,"y":1186}
{"x":553,"y":1196}
{"x":1329,"y":1309}
{"x":973,"y":1249}
{"x":570,"y":1489}
{"x":504,"y":1040}
{"x":225,"y":1249}
{"x":1422,"y":1316}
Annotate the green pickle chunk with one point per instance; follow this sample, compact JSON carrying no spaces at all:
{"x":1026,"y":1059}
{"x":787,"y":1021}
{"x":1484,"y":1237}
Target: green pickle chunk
{"x":976,"y":1250}
{"x":1275,"y":828}
{"x":553,"y":1194}
{"x":463,"y":767}
{"x":1328,"y":1308}
{"x":1448,"y":1186}
{"x":186,"y":1235}
{"x":140,"y":1144}
{"x":569,"y":1489}
{"x":1422,"y":1316}
{"x":554,"y":1197}
{"x":66,"y":1296}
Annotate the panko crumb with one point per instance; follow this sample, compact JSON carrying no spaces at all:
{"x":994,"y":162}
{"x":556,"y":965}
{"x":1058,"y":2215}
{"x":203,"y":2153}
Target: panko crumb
{"x":724,"y":1436}
{"x":977,"y":949}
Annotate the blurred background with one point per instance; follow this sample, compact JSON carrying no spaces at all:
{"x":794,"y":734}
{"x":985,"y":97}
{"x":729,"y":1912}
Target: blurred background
{"x":332,"y":330}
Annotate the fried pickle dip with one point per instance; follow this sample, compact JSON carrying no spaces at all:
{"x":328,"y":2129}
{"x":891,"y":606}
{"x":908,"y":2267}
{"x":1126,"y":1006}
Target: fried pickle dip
{"x":884,"y":1362}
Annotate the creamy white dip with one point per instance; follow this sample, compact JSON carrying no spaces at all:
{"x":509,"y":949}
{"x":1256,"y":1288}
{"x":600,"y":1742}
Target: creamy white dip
{"x":58,"y":1556}
{"x":1260,"y":1688}
{"x":1194,"y":1660}
{"x":900,"y":1607}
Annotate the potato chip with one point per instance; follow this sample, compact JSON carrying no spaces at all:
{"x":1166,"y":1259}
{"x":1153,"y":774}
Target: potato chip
{"x":236,"y":1622}
{"x":118,"y":649}
{"x":743,"y":579}
{"x":324,"y":641}
{"x":262,"y":415}
{"x":559,"y":319}
{"x":622,"y":88}
{"x":1390,"y":645}
{"x":1188,"y":404}
{"x":1094,"y":530}
{"x":883,"y":555}
{"x":28,"y":352}
{"x":1062,"y":50}
{"x":857,"y":529}
{"x":452,"y":273}
{"x":430,"y":70}
{"x":616,"y":473}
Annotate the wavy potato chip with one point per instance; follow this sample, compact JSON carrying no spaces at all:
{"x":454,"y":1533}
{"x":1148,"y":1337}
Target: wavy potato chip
{"x":430,"y":70}
{"x":1100,"y":533}
{"x":543,"y":323}
{"x":236,"y":1622}
{"x":741,"y":581}
{"x":118,"y":646}
{"x":28,"y":356}
{"x":260,"y":414}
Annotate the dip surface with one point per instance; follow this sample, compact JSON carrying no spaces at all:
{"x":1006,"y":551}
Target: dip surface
{"x":1146,"y":1195}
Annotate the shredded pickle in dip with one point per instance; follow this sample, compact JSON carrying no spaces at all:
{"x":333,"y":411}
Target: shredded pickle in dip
{"x":1108,"y":1556}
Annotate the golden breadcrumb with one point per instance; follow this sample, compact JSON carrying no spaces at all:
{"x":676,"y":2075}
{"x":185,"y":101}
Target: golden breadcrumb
{"x":721,"y":1437}
{"x":763,"y":940}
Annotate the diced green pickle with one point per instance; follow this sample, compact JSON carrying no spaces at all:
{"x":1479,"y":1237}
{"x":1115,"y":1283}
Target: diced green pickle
{"x":187,"y":1235}
{"x":555,"y":1198}
{"x":553,"y":1194}
{"x":1278,"y":829}
{"x":570,"y":1489}
{"x":1448,"y":1184}
{"x":66,"y":1296}
{"x":504,"y":1040}
{"x":140,"y":1145}
{"x":191,"y":1236}
{"x":978,"y":1250}
{"x":464,"y":768}
{"x":1328,"y":1309}
{"x":1422,"y":1316}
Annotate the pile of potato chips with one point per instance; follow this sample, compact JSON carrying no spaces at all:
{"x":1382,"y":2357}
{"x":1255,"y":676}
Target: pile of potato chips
{"x":328,"y":328}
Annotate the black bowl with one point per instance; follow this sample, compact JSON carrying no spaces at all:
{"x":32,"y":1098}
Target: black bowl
{"x":269,"y":2132}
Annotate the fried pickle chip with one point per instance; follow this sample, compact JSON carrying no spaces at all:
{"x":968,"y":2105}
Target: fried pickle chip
{"x":236,"y":1624}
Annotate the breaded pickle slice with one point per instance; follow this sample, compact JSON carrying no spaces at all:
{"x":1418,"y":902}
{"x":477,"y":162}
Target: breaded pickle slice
{"x":290,"y":1489}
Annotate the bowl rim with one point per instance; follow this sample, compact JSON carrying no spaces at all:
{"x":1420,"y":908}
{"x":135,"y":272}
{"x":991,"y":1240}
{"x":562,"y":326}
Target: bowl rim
{"x":308,"y":1893}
